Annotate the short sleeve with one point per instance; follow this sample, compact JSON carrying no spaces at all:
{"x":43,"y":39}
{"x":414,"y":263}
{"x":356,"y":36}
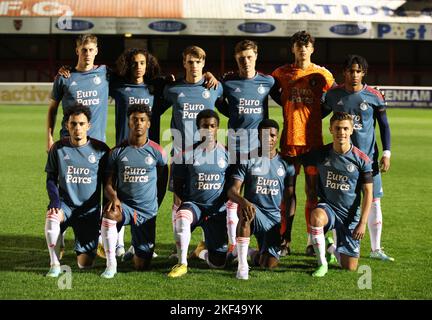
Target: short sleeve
{"x":52,"y":161}
{"x":57,"y":90}
{"x":239,"y":172}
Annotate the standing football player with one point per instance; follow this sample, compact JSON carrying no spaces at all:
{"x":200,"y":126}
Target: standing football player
{"x":74,"y":178}
{"x":299,"y":89}
{"x":246,"y":103}
{"x":367,"y":107}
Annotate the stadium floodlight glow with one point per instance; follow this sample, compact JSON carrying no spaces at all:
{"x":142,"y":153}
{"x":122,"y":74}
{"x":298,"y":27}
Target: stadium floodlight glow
{"x":128,"y":35}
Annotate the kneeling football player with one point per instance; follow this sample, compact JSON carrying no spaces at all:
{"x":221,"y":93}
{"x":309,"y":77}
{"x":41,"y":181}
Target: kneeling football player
{"x":135,"y":187}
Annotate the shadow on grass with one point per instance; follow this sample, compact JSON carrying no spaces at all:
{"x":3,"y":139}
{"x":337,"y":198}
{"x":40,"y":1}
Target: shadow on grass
{"x":30,"y":254}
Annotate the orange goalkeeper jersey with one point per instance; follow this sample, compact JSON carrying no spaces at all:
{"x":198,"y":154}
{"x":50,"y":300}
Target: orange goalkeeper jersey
{"x":301,"y":99}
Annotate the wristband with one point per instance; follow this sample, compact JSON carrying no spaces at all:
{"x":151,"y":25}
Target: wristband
{"x":386,"y":153}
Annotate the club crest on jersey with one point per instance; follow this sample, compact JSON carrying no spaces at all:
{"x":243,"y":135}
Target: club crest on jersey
{"x":350,"y":167}
{"x":280,"y":172}
{"x":221,"y":163}
{"x":312,"y":82}
{"x":91,"y":158}
{"x":149,"y":160}
{"x":364,"y":105}
{"x":97,"y":80}
{"x":261,"y":89}
{"x":206,"y":94}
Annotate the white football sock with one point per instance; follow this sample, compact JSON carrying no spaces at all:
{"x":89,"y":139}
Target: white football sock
{"x":120,"y":237}
{"x":309,"y":239}
{"x":242,"y":252}
{"x":109,"y":237}
{"x":183,"y":221}
{"x":52,"y":233}
{"x":318,"y":240}
{"x":232,"y":221}
{"x":375,"y":224}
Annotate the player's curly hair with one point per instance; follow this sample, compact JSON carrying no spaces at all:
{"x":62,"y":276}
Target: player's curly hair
{"x":268,"y":123}
{"x":205,"y":114}
{"x":78,"y":109}
{"x":355,"y":59}
{"x":140,"y":108}
{"x":301,"y":37}
{"x":124,"y":64}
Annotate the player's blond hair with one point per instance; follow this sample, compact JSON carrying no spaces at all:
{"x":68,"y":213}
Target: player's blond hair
{"x":86,"y":38}
{"x":194,"y":51}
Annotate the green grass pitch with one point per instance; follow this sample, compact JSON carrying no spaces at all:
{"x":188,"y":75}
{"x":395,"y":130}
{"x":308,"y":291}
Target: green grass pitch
{"x":24,"y":257}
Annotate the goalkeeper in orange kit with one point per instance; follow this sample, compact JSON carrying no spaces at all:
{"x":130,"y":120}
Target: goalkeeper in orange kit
{"x":299,"y":90}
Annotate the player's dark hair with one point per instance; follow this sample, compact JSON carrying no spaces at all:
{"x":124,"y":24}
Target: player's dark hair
{"x":205,"y":114}
{"x":78,"y":109}
{"x":301,"y":37}
{"x":124,"y":64}
{"x":86,"y":38}
{"x":355,"y":59}
{"x":340,"y":116}
{"x":140,"y":108}
{"x":268,"y":123}
{"x":246,"y":45}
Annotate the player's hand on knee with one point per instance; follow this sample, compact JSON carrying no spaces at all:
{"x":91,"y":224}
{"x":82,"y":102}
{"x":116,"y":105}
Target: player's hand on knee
{"x":359,"y":231}
{"x":248,"y":210}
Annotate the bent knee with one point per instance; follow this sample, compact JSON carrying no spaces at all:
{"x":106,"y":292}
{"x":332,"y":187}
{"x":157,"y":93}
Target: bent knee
{"x":318,"y":217}
{"x":113,"y":215}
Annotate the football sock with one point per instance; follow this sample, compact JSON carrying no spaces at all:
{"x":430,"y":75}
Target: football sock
{"x":52,"y":233}
{"x":232,"y":221}
{"x":375,"y":224}
{"x":183,"y":221}
{"x":120,"y":237}
{"x":242,"y":251}
{"x":332,"y":248}
{"x":109,"y":238}
{"x":318,"y":240}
